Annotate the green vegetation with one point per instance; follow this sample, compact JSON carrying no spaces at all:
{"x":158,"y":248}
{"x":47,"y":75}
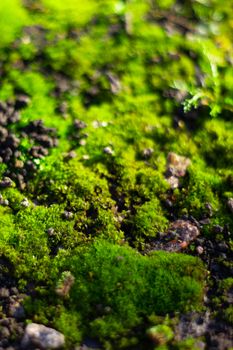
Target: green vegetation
{"x":146,"y":78}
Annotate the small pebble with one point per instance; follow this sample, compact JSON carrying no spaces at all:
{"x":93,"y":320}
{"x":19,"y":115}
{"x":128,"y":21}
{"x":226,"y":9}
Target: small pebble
{"x":16,"y":310}
{"x":4,"y":292}
{"x":4,"y":332}
{"x":71,"y":155}
{"x":51,"y":231}
{"x":184,"y":230}
{"x":147,"y":153}
{"x":82,"y":142}
{"x":6,"y":182}
{"x":173,"y":182}
{"x":200,"y":250}
{"x":108,"y":150}
{"x":177,"y":165}
{"x":79,"y":124}
{"x":68,"y":215}
{"x":25,"y":203}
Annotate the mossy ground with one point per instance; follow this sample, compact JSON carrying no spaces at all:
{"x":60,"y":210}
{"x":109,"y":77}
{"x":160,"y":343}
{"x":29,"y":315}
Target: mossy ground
{"x":126,"y":69}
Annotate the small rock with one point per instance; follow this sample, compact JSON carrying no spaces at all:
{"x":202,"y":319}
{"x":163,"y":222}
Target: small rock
{"x":4,"y":292}
{"x":3,"y":201}
{"x":51,"y":231}
{"x":108,"y":150}
{"x":6,"y":182}
{"x":184,"y":230}
{"x":230,"y":204}
{"x":79,"y":124}
{"x":200,"y":250}
{"x":173,"y":182}
{"x":115,"y":84}
{"x":82,"y":142}
{"x":147,"y":152}
{"x":19,"y":164}
{"x":97,"y":124}
{"x":25,"y":203}
{"x":71,"y":155}
{"x":205,"y":221}
{"x":177,"y":165}
{"x":5,"y":333}
{"x":43,"y":337}
{"x":16,"y":310}
{"x":209,"y":208}
{"x":68,"y":215}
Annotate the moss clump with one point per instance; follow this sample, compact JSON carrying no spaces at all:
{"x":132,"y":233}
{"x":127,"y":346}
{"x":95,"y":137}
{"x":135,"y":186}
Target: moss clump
{"x":13,"y":18}
{"x":149,"y":219}
{"x":115,"y":287}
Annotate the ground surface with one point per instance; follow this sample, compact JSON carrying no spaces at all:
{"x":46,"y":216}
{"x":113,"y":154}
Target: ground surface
{"x":116,"y":173}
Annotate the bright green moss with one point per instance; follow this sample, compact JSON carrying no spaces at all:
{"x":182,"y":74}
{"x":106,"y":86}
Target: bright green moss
{"x":198,"y":191}
{"x":12,"y":18}
{"x":115,"y":286}
{"x":149,"y":219}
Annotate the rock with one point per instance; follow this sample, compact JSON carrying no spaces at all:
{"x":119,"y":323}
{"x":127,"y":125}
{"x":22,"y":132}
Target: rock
{"x":108,"y":150}
{"x":68,"y":215}
{"x":82,"y":142}
{"x":79,"y":124}
{"x":38,"y":151}
{"x":3,"y":202}
{"x":97,"y":124}
{"x":51,"y":231}
{"x":177,"y":165}
{"x":230,"y":204}
{"x":173,"y":182}
{"x":43,"y":337}
{"x":4,"y":292}
{"x":4,"y":333}
{"x":184,"y":230}
{"x":200,"y":250}
{"x":70,"y":155}
{"x":25,"y":203}
{"x":147,"y":153}
{"x":16,"y":310}
{"x":6,"y":182}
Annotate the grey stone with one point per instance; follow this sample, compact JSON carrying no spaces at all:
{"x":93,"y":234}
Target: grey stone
{"x":16,"y":310}
{"x":108,"y":150}
{"x":43,"y":337}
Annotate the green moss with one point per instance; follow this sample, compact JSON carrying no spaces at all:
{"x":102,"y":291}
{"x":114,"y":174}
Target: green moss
{"x":198,"y":191}
{"x":115,"y":286}
{"x":125,"y":68}
{"x":12,"y":18}
{"x":149,"y":219}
